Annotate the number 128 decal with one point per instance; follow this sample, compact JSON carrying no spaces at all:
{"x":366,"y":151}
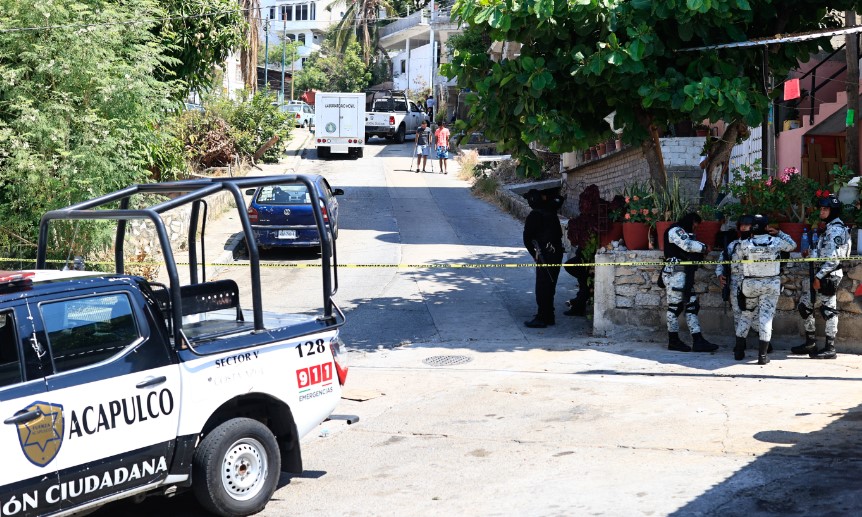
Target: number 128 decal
{"x":306,"y":377}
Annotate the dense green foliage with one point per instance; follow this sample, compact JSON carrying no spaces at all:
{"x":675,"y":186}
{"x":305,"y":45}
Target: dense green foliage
{"x":253,"y":121}
{"x":76,"y":105}
{"x":290,"y":52}
{"x":582,"y":59}
{"x":331,"y":71}
{"x":89,"y":103}
{"x":198,"y":34}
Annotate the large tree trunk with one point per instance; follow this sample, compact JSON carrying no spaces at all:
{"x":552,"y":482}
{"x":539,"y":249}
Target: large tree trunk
{"x":251,"y":34}
{"x":718,"y":158}
{"x":651,"y":148}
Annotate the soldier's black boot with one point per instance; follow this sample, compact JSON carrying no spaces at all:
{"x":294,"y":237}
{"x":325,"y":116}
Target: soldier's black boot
{"x":762,"y":358}
{"x":739,"y":349}
{"x":810,"y":345}
{"x":827,"y":352}
{"x":701,"y":344}
{"x":675,"y":343}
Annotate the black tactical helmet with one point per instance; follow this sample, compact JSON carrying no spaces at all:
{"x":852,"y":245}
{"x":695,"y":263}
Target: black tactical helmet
{"x":758,"y":226}
{"x":534,"y":198}
{"x":744,"y":219}
{"x":831,"y":202}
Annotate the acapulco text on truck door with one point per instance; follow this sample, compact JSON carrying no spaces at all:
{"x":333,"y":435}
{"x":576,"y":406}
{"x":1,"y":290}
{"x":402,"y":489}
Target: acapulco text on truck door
{"x":112,"y":385}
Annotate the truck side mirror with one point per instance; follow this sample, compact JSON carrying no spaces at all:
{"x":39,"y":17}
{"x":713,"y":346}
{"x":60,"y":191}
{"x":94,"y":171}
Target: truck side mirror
{"x":249,"y":191}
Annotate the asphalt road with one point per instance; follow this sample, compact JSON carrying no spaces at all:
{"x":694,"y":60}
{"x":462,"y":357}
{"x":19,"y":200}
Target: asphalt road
{"x":466,"y":412}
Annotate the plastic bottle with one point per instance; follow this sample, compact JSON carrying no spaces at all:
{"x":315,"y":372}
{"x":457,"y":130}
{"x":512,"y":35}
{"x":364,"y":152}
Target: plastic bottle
{"x":814,"y":238}
{"x":803,"y":244}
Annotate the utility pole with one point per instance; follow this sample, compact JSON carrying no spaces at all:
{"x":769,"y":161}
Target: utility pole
{"x":283,"y":54}
{"x":852,"y":48}
{"x":293,"y":58}
{"x":431,"y":25}
{"x":265,"y":55}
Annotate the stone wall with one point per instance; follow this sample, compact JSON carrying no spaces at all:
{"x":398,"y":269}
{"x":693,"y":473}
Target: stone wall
{"x":614,"y":171}
{"x":627,"y":298}
{"x":142,"y":243}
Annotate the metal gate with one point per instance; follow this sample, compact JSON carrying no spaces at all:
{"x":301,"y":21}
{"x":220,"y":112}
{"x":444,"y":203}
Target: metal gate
{"x":748,"y":151}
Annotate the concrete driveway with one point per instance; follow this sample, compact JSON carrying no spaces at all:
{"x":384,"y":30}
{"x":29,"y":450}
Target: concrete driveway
{"x":463,"y":411}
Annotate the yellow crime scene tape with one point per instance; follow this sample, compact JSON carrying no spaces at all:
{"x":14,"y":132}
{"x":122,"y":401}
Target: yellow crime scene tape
{"x":463,"y":265}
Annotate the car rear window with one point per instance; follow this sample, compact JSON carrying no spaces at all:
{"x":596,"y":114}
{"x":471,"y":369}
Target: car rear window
{"x":284,"y":195}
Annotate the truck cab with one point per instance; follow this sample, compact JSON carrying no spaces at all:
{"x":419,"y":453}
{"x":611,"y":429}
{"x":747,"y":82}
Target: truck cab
{"x":113,"y":385}
{"x":391,"y":115}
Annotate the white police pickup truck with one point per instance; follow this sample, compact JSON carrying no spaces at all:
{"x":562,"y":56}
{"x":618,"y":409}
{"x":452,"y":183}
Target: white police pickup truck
{"x":113,"y":386}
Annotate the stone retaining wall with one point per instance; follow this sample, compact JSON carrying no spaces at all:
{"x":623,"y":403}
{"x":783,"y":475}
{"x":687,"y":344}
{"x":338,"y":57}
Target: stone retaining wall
{"x":627,"y":296}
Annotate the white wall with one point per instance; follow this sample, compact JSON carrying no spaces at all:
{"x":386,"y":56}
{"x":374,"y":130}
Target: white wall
{"x":419,"y":70}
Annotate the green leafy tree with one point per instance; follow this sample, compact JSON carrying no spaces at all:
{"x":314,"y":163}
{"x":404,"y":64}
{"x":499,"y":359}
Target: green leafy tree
{"x":580,"y":60}
{"x":359,"y":23}
{"x":330,"y":71}
{"x":79,"y":102}
{"x":198,"y":35}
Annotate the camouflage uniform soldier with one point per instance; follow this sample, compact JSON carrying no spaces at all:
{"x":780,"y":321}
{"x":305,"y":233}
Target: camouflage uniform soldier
{"x":760,"y":285}
{"x":834,"y":244}
{"x":678,"y":280}
{"x":730,"y":275}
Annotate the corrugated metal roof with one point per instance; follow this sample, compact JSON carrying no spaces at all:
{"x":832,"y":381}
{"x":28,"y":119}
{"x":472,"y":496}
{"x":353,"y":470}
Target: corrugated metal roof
{"x":778,"y":38}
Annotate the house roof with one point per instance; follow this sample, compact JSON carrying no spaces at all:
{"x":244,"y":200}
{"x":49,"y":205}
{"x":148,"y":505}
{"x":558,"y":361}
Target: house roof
{"x":778,"y":38}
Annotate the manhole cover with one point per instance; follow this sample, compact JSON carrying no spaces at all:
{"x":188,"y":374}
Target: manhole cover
{"x":446,"y":360}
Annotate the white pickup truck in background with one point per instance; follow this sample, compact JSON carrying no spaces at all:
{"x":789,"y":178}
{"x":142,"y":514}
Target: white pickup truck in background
{"x":391,"y":115}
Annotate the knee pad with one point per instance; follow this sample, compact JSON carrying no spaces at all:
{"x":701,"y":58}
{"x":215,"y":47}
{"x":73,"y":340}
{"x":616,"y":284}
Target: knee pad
{"x":693,"y":307}
{"x":675,"y":308}
{"x":804,"y":310}
{"x":828,"y":312}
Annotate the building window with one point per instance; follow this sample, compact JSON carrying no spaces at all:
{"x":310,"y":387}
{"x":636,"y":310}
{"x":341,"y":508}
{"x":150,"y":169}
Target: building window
{"x":289,"y":37}
{"x":313,"y":11}
{"x":287,"y":12}
{"x":302,"y":12}
{"x":301,"y":38}
{"x":404,"y":67}
{"x":272,"y":13}
{"x":304,"y":60}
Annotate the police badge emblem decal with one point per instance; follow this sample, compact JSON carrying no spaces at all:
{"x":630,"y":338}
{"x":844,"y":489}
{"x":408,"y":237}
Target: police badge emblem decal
{"x":41,"y":437}
{"x":330,"y":127}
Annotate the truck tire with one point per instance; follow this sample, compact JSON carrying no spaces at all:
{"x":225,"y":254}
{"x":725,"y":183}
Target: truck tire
{"x":399,"y":136}
{"x":236,"y":468}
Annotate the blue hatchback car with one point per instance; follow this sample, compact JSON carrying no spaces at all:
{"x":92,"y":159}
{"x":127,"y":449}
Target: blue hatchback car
{"x":281,"y":215}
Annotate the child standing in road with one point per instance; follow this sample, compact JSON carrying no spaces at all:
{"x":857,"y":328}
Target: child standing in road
{"x":423,"y":145}
{"x":441,"y":136}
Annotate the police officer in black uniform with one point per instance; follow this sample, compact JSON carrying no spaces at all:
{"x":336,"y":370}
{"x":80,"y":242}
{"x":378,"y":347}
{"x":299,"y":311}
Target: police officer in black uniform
{"x":543,"y":238}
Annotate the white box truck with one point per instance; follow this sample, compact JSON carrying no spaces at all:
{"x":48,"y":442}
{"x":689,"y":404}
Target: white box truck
{"x":339,"y":124}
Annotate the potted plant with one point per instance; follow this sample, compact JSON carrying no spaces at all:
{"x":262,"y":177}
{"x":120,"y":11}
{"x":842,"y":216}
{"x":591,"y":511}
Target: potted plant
{"x":640,"y":214}
{"x":603,"y":148}
{"x":709,"y":226}
{"x":843,"y":184}
{"x":670,"y":207}
{"x":701,"y":129}
{"x":614,"y":231}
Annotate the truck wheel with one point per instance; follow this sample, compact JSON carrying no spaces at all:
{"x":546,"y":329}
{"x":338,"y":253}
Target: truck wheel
{"x":236,"y":468}
{"x":399,"y":136}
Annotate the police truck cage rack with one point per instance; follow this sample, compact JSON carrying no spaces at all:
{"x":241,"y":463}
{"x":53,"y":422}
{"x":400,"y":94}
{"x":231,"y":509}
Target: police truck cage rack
{"x":194,"y":192}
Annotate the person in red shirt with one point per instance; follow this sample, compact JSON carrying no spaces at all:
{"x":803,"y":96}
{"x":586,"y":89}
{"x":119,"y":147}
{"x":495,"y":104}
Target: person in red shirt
{"x":441,"y":136}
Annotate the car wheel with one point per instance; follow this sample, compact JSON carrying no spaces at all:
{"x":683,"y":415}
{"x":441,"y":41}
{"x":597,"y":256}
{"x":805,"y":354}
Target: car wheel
{"x":399,"y":136}
{"x":236,"y":468}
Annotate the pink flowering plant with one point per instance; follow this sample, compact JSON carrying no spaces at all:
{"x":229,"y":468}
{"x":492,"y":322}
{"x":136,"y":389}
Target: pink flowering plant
{"x":640,"y":204}
{"x":787,"y":197}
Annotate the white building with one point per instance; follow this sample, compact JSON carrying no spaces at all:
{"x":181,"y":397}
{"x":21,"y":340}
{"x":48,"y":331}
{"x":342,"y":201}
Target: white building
{"x":408,"y":42}
{"x":304,"y":21}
